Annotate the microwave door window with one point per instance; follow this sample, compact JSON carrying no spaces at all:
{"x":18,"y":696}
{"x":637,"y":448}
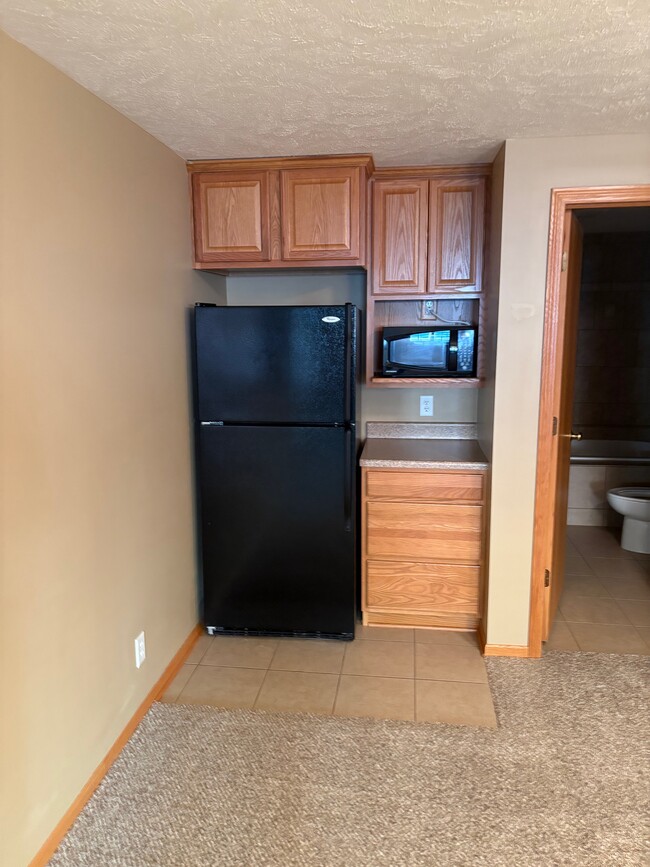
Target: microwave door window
{"x":428,"y":350}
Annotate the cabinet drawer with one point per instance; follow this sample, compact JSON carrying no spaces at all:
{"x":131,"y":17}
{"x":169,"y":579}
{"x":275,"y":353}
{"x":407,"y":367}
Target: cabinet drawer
{"x":425,"y":587}
{"x":424,"y":531}
{"x":381,"y":484}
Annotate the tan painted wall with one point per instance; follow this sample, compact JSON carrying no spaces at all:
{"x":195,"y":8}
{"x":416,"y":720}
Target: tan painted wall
{"x":532,"y":168}
{"x":377,"y":404}
{"x":98,"y":539}
{"x":485,"y":408}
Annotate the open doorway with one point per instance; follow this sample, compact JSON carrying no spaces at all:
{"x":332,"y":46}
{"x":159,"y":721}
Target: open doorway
{"x":588,"y":592}
{"x":605,"y":600}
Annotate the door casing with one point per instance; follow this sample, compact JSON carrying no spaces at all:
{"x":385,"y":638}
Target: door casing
{"x":554,"y":312}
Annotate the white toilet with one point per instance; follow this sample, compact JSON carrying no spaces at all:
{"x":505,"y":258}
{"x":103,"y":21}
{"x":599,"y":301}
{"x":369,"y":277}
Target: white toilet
{"x":634,"y":505}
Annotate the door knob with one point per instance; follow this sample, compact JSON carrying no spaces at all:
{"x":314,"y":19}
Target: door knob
{"x":573,"y":436}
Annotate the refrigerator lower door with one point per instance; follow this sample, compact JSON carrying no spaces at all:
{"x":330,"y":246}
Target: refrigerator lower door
{"x":278,"y":540}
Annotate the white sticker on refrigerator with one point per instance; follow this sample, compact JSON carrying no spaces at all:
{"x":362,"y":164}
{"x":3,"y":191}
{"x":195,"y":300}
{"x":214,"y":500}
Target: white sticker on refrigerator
{"x":331,"y":319}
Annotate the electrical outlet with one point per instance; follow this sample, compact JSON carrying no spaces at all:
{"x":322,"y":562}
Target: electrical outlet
{"x":426,"y":404}
{"x":140,"y":650}
{"x":429,"y":310}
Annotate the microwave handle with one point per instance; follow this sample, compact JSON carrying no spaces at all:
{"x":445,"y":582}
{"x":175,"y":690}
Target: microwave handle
{"x":452,"y":351}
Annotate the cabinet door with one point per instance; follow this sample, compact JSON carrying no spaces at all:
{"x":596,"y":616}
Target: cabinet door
{"x":456,"y":231}
{"x":399,"y":249}
{"x":321,"y":214}
{"x":231,"y":216}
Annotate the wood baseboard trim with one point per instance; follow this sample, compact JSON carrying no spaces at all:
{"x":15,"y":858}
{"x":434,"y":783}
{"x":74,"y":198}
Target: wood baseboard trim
{"x":506,"y":650}
{"x":480,"y":636}
{"x":50,"y":846}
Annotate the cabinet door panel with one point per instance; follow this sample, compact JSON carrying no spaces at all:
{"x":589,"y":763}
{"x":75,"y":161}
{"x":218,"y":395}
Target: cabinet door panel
{"x":231,"y":216}
{"x":424,"y":531}
{"x":412,"y":586}
{"x":456,"y":229}
{"x":399,"y":237}
{"x":321,"y":214}
{"x":424,"y":486}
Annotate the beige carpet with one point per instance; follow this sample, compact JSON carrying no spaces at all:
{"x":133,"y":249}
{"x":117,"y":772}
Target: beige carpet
{"x":562,"y":782}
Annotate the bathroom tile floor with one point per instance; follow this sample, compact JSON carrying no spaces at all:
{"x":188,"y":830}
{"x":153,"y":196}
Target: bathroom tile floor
{"x":605,"y":605}
{"x":385,"y":673}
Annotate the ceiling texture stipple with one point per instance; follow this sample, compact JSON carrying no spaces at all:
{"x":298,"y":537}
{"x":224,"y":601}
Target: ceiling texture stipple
{"x":409,"y":81}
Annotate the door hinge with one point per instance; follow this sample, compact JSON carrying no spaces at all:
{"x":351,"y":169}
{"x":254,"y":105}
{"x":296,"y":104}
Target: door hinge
{"x":565,"y":260}
{"x":547,"y":578}
{"x":554,"y":425}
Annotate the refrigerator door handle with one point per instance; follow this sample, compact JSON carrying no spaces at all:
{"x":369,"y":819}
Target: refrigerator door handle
{"x":348,"y":443}
{"x":348,"y":363}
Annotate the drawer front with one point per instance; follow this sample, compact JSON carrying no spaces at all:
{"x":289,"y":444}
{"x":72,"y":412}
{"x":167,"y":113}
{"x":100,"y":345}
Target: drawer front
{"x":424,"y":531}
{"x":467,"y":487}
{"x":424,"y":587}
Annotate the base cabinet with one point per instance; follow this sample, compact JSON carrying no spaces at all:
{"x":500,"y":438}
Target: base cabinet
{"x":423,"y":538}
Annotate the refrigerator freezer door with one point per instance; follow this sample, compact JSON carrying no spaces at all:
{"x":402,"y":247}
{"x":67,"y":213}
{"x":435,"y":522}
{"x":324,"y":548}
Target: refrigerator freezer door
{"x":287,"y":365}
{"x":277,"y":508}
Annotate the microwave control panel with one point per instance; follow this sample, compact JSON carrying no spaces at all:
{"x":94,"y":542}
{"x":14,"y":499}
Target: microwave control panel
{"x":466,"y":350}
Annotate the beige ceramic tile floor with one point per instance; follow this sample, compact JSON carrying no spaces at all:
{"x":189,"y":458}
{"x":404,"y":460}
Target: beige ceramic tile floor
{"x":385,"y":673}
{"x":605,"y":606}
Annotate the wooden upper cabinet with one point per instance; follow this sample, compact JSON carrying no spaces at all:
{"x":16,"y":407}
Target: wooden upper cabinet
{"x":456,"y":234}
{"x":428,"y":228}
{"x":321,"y":214}
{"x":280,"y":213}
{"x":231,"y":216}
{"x":399,"y":236}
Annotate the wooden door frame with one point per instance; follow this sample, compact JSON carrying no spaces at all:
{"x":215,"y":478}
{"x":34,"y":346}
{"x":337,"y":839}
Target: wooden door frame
{"x":562,"y":200}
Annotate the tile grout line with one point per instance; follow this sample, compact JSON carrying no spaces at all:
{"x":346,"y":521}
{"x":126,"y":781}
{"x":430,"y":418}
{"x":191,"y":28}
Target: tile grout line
{"x":257,"y":694}
{"x":338,"y":682}
{"x":263,"y":681}
{"x":186,"y":684}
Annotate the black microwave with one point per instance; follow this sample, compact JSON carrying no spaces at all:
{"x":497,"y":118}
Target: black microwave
{"x":432,"y":351}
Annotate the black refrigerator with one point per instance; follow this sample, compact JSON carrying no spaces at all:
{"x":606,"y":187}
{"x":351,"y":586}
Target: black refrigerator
{"x":275,"y":398}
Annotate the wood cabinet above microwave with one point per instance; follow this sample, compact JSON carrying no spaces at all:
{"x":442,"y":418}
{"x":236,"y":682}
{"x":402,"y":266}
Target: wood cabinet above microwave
{"x":428,"y":231}
{"x":280,"y":213}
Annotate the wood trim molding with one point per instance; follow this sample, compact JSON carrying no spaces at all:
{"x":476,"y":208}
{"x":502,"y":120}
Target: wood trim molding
{"x":341,"y":160}
{"x":562,"y":199}
{"x":517,"y":650}
{"x":319,"y":161}
{"x":419,"y":172}
{"x":50,"y":846}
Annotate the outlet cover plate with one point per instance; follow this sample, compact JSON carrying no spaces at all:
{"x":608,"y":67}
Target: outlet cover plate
{"x":426,"y":404}
{"x":140,"y":650}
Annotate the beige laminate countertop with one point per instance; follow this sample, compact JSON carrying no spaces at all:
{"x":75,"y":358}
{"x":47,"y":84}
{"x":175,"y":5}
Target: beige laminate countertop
{"x":431,"y":454}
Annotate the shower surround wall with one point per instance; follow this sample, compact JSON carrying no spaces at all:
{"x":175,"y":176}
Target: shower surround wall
{"x":612,"y":390}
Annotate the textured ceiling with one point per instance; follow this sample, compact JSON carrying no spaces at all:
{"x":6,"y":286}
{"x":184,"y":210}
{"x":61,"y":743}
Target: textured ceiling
{"x":408,"y":80}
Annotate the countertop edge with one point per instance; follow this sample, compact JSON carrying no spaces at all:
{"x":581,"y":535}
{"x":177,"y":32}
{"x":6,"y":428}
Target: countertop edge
{"x":424,"y":465}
